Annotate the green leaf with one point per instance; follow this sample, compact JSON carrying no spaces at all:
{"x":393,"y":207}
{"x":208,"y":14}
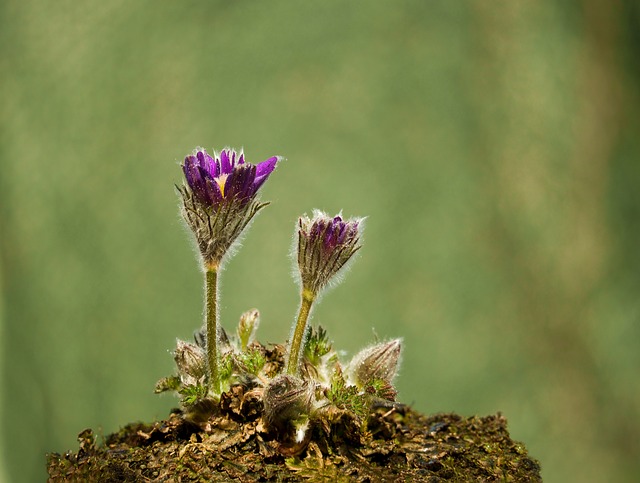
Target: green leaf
{"x":171,"y":383}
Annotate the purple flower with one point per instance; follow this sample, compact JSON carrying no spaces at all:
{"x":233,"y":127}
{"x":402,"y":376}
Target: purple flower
{"x":226,"y":176}
{"x":219,"y":199}
{"x":332,"y":232}
{"x":325,"y":245}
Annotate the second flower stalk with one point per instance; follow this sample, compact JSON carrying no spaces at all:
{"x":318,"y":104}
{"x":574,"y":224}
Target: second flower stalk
{"x":325,"y":246}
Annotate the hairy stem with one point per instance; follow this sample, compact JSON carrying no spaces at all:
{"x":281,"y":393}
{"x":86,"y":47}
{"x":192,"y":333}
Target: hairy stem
{"x":293,"y":362}
{"x":212,"y":327}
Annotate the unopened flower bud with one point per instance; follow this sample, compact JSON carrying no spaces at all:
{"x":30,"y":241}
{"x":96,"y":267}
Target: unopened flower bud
{"x":247,"y":328}
{"x":287,"y":401}
{"x":191,"y":361}
{"x":379,"y":362}
{"x":325,"y":245}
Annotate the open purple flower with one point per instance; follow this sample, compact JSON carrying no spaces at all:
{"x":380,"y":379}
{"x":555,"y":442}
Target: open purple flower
{"x":219,"y":198}
{"x":214,"y":180}
{"x":325,"y":245}
{"x":218,"y":202}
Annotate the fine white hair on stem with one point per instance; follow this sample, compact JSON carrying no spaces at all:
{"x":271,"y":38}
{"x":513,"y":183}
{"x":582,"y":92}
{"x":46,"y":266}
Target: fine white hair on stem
{"x":293,"y":254}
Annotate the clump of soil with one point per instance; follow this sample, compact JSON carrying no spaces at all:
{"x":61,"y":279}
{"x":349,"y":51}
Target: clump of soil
{"x":395,"y":443}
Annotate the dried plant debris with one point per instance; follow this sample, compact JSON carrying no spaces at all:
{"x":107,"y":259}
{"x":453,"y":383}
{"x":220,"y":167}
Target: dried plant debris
{"x":391,"y":442}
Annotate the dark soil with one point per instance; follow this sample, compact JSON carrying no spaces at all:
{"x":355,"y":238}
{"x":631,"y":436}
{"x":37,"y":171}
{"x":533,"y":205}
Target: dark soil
{"x":399,"y":444}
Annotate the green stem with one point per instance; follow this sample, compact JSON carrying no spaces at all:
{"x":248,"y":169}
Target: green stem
{"x":212,"y":327}
{"x":293,"y":363}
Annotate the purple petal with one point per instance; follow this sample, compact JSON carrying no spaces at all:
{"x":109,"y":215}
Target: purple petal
{"x":266,"y":167}
{"x":263,"y":170}
{"x":213,"y":193}
{"x":195,"y":177}
{"x":343,"y":231}
{"x":317,"y":230}
{"x":240,"y":182}
{"x":189,"y":170}
{"x":207,"y":163}
{"x":335,"y":232}
{"x":225,"y":163}
{"x":248,"y":187}
{"x":212,"y":166}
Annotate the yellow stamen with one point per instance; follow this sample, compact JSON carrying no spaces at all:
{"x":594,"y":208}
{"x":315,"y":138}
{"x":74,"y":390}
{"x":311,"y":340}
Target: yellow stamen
{"x":221,"y":180}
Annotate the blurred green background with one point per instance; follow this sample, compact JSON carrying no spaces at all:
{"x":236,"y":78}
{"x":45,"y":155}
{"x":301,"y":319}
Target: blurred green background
{"x":493,"y":145}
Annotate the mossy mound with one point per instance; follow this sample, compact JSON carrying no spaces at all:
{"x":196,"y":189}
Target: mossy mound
{"x":398,"y":444}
